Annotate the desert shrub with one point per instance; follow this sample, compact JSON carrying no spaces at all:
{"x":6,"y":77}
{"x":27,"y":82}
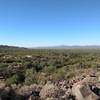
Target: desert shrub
{"x":59,"y":74}
{"x":49,"y":69}
{"x":13,"y":80}
{"x":3,"y":65}
{"x":38,"y":67}
{"x":42,"y":78}
{"x":30,"y":76}
{"x":28,"y":64}
{"x":70,"y":75}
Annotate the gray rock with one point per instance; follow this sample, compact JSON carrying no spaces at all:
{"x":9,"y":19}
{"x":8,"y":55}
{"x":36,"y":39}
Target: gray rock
{"x":83,"y":92}
{"x":49,"y":91}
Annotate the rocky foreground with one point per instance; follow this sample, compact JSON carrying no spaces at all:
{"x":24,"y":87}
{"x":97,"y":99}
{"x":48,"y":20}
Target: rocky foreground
{"x":83,"y":87}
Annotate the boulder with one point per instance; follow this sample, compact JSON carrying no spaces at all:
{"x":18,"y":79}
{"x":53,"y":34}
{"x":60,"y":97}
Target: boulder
{"x":28,"y":90}
{"x":49,"y":91}
{"x":2,"y":85}
{"x":82,"y":92}
{"x":51,"y":99}
{"x":25,"y":90}
{"x":31,"y":92}
{"x":32,"y":97}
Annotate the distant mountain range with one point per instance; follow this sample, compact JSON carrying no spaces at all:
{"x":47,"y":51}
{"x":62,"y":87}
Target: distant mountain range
{"x":55,"y":47}
{"x":71,"y":47}
{"x":7,"y":46}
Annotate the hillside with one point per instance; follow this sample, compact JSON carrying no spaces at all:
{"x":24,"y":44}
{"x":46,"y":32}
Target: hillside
{"x":28,"y":73}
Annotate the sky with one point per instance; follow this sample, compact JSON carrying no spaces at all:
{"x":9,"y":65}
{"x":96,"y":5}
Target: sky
{"x":33,"y":23}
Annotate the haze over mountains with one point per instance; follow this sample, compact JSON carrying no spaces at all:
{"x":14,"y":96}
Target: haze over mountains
{"x":57,"y":47}
{"x":69,"y":47}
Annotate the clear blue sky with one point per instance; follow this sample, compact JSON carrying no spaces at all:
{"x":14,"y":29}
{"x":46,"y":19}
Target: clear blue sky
{"x":32,"y":23}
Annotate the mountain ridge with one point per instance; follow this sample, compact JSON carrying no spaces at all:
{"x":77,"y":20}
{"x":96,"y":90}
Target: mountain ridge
{"x":55,"y":47}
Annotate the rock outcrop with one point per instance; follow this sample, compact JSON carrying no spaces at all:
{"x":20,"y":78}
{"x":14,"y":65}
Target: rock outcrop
{"x":79,"y":88}
{"x":82,"y":92}
{"x":49,"y":91}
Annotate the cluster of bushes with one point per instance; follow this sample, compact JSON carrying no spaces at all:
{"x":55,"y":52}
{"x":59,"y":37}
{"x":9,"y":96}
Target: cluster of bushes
{"x":28,"y":66}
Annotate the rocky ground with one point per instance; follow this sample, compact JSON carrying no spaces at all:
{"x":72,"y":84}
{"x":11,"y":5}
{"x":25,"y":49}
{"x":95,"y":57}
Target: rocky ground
{"x":83,"y":87}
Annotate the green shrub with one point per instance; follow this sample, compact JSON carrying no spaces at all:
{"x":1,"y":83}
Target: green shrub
{"x":13,"y":80}
{"x":60,"y":74}
{"x":49,"y":69}
{"x":30,"y":76}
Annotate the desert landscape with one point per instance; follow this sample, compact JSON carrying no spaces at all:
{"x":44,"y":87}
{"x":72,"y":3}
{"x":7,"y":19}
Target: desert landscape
{"x":49,"y":49}
{"x":49,"y":74}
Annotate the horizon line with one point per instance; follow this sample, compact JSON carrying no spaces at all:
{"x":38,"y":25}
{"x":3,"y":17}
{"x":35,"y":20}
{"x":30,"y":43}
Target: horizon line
{"x":50,"y":46}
